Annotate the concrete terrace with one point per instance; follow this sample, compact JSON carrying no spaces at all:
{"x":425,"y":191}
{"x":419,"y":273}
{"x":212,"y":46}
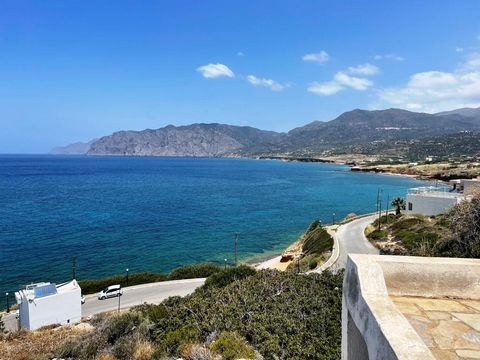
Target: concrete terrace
{"x":450,"y":328}
{"x":402,"y":307}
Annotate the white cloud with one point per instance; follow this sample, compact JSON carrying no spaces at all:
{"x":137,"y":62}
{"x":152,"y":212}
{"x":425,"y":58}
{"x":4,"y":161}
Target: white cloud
{"x":268,"y":83}
{"x":240,"y":53}
{"x":433,"y":91}
{"x":363,"y":69}
{"x":459,"y":49}
{"x":212,"y":71}
{"x":320,"y":57}
{"x":340,"y":81}
{"x":389,"y":57}
{"x":325,"y":89}
{"x":352,"y":81}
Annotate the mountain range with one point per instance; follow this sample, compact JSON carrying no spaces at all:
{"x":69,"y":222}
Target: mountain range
{"x":350,"y":128}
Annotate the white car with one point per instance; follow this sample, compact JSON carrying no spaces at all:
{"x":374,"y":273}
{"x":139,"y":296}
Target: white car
{"x":82,"y":299}
{"x":109,"y":292}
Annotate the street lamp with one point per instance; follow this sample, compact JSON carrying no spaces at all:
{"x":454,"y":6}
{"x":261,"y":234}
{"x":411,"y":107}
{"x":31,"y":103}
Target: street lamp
{"x":127,"y":275}
{"x":225,"y":262}
{"x":333,"y":219}
{"x":8,"y":305}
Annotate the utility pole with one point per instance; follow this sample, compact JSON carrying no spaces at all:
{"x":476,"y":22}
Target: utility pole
{"x":378,"y":197}
{"x":236,"y":245}
{"x":379,"y":213}
{"x":74,"y":267}
{"x":388,"y":204}
{"x":119,"y":296}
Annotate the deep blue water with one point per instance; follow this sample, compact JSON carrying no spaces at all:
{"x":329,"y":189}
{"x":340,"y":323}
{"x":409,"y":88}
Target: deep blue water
{"x":147,"y":213}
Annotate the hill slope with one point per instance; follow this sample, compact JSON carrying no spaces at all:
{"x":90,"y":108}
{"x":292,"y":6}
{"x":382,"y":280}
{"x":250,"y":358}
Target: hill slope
{"x":191,"y":140}
{"x":363,"y":126}
{"x":356,"y":127}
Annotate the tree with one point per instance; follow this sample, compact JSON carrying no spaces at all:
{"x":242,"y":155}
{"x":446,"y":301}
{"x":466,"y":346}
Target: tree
{"x":464,"y":218}
{"x":399,"y":203}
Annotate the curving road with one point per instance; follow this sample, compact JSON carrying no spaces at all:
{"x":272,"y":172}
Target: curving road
{"x":352,"y":240}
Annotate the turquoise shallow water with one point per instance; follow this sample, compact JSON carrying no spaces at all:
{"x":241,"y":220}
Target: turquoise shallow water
{"x":114,"y":213}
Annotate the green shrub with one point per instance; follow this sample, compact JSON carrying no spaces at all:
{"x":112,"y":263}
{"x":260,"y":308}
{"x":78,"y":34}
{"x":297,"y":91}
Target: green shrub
{"x":413,"y":240}
{"x":225,"y":277}
{"x":96,"y":285}
{"x":120,"y":325}
{"x":182,"y":272}
{"x":407,"y":224}
{"x":173,"y":340}
{"x":312,"y":264}
{"x":281,"y":315}
{"x":231,"y":345}
{"x":315,"y":224}
{"x":194,"y":271}
{"x":123,"y":348}
{"x":377,"y":235}
{"x":317,"y":241}
{"x":386,"y":220}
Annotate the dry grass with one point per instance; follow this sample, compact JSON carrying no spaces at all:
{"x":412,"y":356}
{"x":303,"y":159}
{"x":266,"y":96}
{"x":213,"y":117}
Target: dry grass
{"x":36,"y":345}
{"x":143,"y":351}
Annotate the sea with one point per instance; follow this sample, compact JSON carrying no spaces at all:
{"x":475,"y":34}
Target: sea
{"x":158,"y":213}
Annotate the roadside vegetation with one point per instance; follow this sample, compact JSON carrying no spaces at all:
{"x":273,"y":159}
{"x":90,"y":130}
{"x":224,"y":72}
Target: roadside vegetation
{"x":454,"y":234}
{"x":38,"y":345}
{"x":238,"y":314}
{"x":183,"y":272}
{"x":316,"y":246}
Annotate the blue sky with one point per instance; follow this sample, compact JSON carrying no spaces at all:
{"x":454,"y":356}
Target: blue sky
{"x":75,"y":70}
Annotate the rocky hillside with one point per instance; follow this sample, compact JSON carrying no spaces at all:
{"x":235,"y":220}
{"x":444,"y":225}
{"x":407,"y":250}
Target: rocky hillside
{"x":191,"y":140}
{"x":354,"y":127}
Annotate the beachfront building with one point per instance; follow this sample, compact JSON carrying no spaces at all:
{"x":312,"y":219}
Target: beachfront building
{"x":429,"y":201}
{"x":47,"y":304}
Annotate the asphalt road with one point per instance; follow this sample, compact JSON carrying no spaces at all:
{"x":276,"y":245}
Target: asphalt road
{"x":153,"y":293}
{"x":352,"y":240}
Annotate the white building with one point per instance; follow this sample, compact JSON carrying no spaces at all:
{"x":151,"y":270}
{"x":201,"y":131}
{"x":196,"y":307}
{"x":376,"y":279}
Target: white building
{"x":429,"y":201}
{"x":466,"y":186}
{"x":46,"y":304}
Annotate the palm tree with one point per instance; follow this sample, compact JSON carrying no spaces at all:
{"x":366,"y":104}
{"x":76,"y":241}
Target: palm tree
{"x":399,"y":203}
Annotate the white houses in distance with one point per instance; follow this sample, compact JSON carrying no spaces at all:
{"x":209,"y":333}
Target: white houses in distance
{"x":430,"y":201}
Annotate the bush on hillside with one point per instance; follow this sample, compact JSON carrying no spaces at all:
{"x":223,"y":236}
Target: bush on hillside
{"x":182,"y":272}
{"x":317,"y":241}
{"x":96,"y":285}
{"x":281,"y":315}
{"x":194,"y":271}
{"x":231,"y":346}
{"x":464,"y":223}
{"x":377,"y":235}
{"x":227,"y":276}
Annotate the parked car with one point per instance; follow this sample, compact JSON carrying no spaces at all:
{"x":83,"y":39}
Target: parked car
{"x":109,"y":292}
{"x":82,"y":299}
